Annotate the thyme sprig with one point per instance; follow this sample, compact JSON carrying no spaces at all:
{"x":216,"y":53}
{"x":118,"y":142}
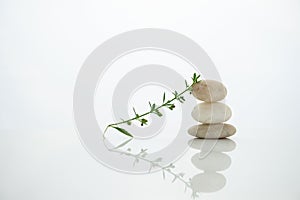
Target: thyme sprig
{"x":154,"y":108}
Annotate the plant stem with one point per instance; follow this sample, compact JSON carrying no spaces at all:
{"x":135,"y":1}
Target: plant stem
{"x":147,"y":113}
{"x":155,"y":110}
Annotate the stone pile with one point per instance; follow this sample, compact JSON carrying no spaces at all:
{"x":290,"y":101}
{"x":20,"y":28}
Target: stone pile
{"x":211,"y":114}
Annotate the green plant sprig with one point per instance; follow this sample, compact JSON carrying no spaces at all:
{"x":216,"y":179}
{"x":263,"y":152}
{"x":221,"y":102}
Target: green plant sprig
{"x":155,"y":109}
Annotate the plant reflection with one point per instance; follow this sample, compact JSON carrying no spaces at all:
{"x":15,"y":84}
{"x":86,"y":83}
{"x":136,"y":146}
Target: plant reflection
{"x":142,"y":156}
{"x":210,"y":160}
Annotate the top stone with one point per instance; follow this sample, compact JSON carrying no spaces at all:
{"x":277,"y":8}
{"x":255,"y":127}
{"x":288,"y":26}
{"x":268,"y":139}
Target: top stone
{"x":209,"y":91}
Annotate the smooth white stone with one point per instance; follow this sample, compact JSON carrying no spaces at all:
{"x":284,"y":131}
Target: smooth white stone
{"x":209,"y":91}
{"x":212,"y":131}
{"x":211,"y":113}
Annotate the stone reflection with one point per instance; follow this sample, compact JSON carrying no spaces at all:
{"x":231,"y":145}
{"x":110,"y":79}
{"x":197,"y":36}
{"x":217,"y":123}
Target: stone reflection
{"x":210,"y":157}
{"x":211,"y":160}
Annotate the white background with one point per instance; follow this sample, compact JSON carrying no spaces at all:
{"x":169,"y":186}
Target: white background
{"x":254,"y":44}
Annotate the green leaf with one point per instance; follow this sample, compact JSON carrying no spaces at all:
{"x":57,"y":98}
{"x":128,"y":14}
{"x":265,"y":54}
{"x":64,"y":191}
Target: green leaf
{"x":181,"y":99}
{"x":158,"y":113}
{"x":143,"y":121}
{"x":123,"y":144}
{"x":171,"y":107}
{"x":122,"y":131}
{"x":186,"y":84}
{"x":153,"y":107}
{"x":195,"y":78}
{"x":135,"y":112}
{"x":175,"y":93}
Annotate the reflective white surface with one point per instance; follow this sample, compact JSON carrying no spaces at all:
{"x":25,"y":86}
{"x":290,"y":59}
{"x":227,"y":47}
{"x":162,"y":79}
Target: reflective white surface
{"x":254,"y":44}
{"x":54,"y":165}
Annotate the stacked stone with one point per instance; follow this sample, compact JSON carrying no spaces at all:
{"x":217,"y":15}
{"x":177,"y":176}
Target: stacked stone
{"x":211,"y":113}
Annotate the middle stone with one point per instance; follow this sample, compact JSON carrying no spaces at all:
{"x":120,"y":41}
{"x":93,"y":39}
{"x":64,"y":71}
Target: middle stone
{"x":211,"y":113}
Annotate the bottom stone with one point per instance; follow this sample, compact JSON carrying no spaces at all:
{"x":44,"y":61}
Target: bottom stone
{"x":212,"y":131}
